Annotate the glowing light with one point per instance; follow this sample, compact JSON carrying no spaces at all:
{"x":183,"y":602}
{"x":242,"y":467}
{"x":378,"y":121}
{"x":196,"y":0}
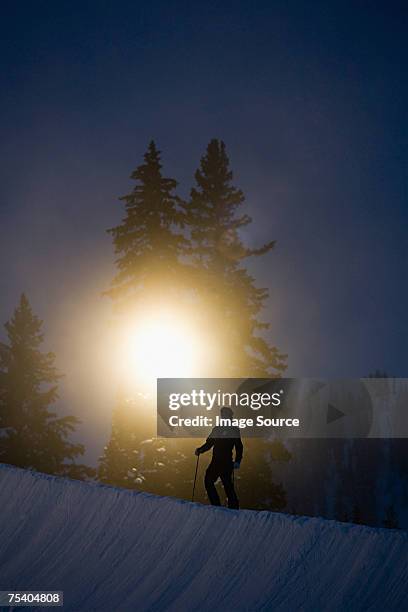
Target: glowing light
{"x":161,"y":346}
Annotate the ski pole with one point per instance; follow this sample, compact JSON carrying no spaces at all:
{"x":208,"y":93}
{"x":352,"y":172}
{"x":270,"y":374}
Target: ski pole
{"x":195,"y":478}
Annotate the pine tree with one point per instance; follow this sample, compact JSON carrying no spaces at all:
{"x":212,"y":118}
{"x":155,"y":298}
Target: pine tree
{"x":118,"y":465}
{"x":231,"y":300}
{"x":114,"y":462}
{"x":231,"y":304}
{"x":356,"y":515}
{"x":149,"y":245}
{"x":135,"y":459}
{"x":31,"y":435}
{"x":391,"y":518}
{"x":147,"y":242}
{"x":256,"y":487}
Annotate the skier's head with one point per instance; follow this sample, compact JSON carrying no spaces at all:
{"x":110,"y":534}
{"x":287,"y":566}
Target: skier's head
{"x":226,"y":412}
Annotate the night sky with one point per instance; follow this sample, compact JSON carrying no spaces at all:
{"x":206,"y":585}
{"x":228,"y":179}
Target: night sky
{"x":311,"y":100}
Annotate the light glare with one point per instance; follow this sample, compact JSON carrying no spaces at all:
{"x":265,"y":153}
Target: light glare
{"x":161,"y":347}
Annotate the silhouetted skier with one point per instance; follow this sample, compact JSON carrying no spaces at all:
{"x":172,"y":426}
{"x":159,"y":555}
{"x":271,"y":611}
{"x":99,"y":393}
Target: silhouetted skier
{"x":222,"y":440}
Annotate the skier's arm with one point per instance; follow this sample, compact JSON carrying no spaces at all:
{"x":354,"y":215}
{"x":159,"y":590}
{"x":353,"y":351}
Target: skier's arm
{"x":209,"y":443}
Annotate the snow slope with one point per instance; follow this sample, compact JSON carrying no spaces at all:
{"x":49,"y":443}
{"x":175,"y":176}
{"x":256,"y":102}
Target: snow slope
{"x":118,"y":550}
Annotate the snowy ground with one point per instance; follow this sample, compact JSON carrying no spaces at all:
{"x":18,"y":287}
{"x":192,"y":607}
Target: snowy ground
{"x":117,"y":550}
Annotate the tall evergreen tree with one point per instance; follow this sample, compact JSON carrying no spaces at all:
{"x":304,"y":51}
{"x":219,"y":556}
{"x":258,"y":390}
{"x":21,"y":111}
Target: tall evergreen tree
{"x":149,"y":245}
{"x":232,"y":300}
{"x":31,"y":435}
{"x":147,"y":242}
{"x":232,"y":305}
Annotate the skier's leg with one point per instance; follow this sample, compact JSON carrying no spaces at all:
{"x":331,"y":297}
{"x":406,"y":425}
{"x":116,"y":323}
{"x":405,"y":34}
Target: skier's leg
{"x":226,"y":478}
{"x":211,"y":476}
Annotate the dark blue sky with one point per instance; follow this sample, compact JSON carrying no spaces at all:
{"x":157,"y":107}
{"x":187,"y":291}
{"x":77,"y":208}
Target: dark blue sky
{"x":311,"y":100}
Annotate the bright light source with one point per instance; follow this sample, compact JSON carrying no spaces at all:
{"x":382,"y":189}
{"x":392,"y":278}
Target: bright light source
{"x":160,"y":346}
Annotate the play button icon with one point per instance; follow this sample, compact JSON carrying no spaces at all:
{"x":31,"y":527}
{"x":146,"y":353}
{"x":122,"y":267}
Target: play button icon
{"x":333,"y":414}
{"x":340,"y":408}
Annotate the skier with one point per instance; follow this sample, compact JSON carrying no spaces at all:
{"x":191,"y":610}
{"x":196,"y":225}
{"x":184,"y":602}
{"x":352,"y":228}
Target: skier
{"x":222,"y":440}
